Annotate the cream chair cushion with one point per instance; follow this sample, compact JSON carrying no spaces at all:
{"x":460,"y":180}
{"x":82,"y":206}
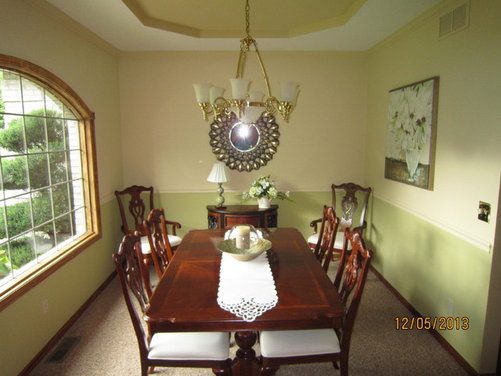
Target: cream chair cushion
{"x":338,"y":243}
{"x":145,"y":246}
{"x":283,"y":343}
{"x":190,"y":346}
{"x":174,"y":240}
{"x":313,"y":239}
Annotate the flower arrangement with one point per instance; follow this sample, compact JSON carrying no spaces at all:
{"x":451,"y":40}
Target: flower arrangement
{"x":265,"y":187}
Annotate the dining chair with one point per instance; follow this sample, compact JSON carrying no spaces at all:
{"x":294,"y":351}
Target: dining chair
{"x":132,"y":218}
{"x":155,"y":228}
{"x":345,"y":251}
{"x":168,"y":349}
{"x":350,"y":200}
{"x":322,"y":345}
{"x":327,"y":235}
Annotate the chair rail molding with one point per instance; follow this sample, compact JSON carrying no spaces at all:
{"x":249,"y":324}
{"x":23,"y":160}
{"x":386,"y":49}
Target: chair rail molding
{"x":484,"y":245}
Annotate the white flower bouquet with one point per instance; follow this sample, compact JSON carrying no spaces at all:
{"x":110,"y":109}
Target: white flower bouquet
{"x":265,"y":187}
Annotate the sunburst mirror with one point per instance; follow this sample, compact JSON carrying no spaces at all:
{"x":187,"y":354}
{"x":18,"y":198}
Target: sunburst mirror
{"x":244,"y":146}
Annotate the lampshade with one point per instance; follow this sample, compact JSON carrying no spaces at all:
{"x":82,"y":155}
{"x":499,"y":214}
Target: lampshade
{"x":215,"y":92}
{"x":202,"y":92}
{"x":218,"y":174}
{"x":288,"y":91}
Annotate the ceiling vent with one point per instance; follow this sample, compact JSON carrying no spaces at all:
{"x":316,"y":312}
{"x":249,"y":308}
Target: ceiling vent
{"x":455,"y":20}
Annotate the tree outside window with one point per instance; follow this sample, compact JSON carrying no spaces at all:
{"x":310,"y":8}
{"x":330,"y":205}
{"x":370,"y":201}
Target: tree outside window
{"x":42,"y":203}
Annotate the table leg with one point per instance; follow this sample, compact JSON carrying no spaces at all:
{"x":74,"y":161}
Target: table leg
{"x":245,"y":363}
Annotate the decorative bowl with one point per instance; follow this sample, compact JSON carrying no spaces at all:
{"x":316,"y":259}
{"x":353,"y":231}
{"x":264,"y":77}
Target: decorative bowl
{"x":256,"y":249}
{"x":244,"y":242}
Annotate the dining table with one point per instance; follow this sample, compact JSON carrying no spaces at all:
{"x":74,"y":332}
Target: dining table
{"x":186,"y":296}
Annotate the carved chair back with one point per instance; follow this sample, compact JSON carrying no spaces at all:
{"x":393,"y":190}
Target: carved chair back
{"x":136,"y":208}
{"x":155,"y":228}
{"x":351,"y":201}
{"x":129,"y":272}
{"x":352,"y":282}
{"x":327,"y":236}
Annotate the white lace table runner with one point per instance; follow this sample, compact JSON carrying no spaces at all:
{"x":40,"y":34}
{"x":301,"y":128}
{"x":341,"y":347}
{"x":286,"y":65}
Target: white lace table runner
{"x":246,"y":288}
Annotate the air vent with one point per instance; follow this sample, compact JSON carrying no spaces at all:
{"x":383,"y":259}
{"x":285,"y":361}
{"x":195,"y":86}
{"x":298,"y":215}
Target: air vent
{"x":455,"y":20}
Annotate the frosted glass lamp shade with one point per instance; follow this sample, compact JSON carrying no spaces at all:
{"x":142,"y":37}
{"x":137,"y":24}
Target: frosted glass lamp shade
{"x":239,"y":87}
{"x":288,"y":91}
{"x":215,"y":92}
{"x":218,"y":174}
{"x":202,"y":92}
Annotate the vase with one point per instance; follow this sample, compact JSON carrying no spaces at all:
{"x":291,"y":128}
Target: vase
{"x":412,"y":161}
{"x":263,"y":203}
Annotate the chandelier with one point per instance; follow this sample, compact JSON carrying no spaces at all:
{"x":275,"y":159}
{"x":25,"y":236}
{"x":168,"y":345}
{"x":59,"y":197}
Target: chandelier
{"x":244,"y":104}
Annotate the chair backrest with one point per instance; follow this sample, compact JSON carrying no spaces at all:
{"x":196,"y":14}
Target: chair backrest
{"x":136,"y":207}
{"x":350,"y":201}
{"x":326,"y":236}
{"x":345,"y":251}
{"x":155,"y":228}
{"x":130,"y":275}
{"x":353,"y":281}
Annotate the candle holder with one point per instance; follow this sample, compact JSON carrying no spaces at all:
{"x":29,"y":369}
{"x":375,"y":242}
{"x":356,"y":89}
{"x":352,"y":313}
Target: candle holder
{"x":244,"y":243}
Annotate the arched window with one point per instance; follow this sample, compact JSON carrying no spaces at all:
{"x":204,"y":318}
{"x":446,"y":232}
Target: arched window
{"x":49,"y":209}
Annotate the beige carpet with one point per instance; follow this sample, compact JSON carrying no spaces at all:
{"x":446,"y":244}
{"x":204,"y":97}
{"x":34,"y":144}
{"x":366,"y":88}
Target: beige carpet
{"x":105,"y":344}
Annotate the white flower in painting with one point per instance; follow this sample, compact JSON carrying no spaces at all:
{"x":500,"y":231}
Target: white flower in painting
{"x":409,"y":119}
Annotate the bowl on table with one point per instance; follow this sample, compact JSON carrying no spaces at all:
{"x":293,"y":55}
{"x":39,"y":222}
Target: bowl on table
{"x":244,"y":243}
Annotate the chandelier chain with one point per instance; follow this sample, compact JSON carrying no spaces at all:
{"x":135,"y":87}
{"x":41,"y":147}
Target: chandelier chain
{"x":247,"y":18}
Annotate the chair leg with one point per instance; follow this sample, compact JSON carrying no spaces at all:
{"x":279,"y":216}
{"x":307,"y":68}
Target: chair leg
{"x":151,"y":369}
{"x":336,"y":366}
{"x":344,"y":367}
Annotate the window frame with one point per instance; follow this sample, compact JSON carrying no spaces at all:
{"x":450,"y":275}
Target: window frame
{"x":22,"y":284}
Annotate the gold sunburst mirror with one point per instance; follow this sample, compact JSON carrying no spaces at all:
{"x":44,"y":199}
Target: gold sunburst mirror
{"x":244,"y":146}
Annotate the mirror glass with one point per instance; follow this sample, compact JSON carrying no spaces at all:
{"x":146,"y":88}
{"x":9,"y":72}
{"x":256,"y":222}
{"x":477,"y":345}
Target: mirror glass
{"x":244,"y":137}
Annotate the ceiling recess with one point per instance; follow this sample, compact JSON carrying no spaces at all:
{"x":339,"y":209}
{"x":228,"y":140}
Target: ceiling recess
{"x":223,"y":18}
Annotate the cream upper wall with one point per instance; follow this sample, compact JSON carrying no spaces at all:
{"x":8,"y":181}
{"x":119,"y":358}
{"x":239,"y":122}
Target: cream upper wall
{"x":35,"y":34}
{"x":166,"y":142}
{"x":468,"y":152}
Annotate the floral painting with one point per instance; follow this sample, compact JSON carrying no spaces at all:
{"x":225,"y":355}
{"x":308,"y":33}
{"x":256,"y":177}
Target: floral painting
{"x":410,"y":139}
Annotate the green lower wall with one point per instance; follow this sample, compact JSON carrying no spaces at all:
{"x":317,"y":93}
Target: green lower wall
{"x":438,"y":273}
{"x":25,"y":330}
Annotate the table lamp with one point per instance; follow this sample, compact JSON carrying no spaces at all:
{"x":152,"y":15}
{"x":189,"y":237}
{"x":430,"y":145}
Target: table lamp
{"x":219,"y":175}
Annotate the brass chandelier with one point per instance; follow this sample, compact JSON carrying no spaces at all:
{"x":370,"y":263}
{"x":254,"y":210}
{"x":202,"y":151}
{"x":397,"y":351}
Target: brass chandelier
{"x":246,"y":105}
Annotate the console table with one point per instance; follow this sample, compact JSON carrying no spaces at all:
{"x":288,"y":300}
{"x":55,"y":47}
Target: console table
{"x":231,"y":215}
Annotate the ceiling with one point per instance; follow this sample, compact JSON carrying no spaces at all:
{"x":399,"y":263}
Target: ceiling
{"x":304,"y":25}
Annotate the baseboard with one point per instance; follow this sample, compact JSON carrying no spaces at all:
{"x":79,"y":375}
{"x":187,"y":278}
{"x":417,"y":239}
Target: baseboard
{"x":61,"y":332}
{"x":462,"y":362}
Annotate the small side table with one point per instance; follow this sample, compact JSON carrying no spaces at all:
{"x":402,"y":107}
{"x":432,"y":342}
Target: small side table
{"x":231,"y":215}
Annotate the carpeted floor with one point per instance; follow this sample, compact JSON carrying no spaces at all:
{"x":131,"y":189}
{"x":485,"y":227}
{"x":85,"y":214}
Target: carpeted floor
{"x":102,"y":342}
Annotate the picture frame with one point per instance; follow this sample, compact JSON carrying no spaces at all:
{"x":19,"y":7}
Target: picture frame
{"x":411,"y":133}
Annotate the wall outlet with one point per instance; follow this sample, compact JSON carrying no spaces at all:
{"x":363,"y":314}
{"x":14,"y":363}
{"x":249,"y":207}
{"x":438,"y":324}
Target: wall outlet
{"x":45,"y":306}
{"x":484,"y":210}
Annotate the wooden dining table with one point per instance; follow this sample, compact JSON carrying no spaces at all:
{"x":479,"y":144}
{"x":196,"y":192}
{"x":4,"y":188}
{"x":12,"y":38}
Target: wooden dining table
{"x":185,"y":298}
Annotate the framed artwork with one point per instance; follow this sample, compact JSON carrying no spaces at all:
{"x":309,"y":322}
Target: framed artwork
{"x":411,"y":133}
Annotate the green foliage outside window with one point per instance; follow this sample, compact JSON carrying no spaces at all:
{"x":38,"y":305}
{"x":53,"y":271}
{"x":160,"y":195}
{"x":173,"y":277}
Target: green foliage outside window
{"x":43,"y":134}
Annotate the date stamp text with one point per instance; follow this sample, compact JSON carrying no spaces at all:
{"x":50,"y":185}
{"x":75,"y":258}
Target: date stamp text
{"x":436,"y":323}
